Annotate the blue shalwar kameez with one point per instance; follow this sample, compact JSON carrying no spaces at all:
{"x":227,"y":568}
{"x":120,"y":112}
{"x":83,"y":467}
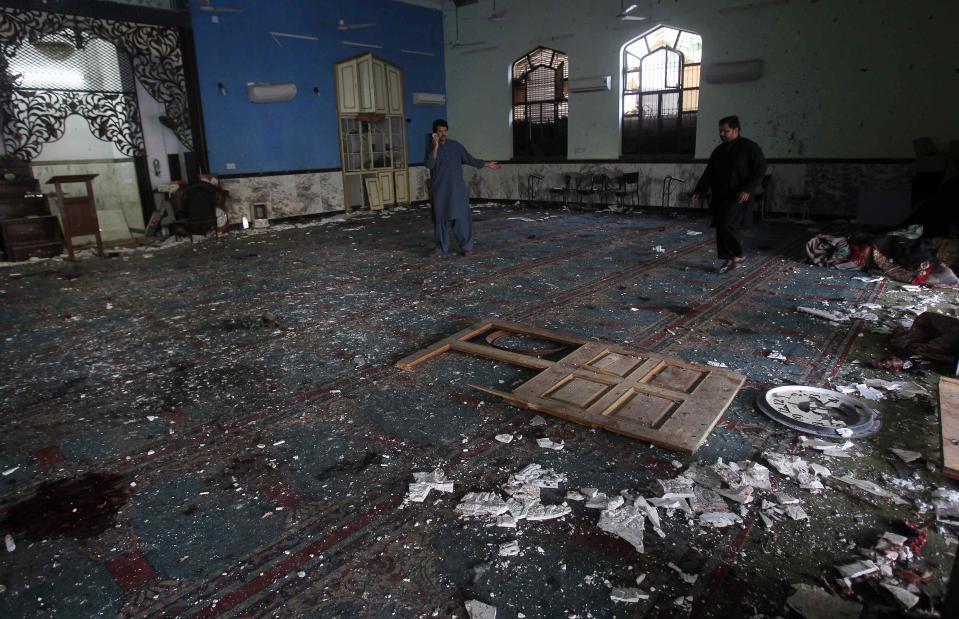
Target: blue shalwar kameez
{"x":450,"y":199}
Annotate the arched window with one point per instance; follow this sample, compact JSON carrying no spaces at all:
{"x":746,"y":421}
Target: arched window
{"x":661,"y":92}
{"x":540,"y":104}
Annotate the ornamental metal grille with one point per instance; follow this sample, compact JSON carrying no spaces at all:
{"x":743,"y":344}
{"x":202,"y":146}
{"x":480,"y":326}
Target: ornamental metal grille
{"x":63,"y":74}
{"x":540,"y":95}
{"x":55,"y":63}
{"x":661,"y":93}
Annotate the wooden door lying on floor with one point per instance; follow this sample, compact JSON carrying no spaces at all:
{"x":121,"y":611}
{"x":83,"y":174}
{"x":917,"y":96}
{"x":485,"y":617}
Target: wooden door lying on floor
{"x":664,"y":400}
{"x":949,"y":424}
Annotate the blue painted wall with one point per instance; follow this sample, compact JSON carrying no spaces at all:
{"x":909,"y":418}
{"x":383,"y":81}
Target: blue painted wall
{"x":302,"y":134}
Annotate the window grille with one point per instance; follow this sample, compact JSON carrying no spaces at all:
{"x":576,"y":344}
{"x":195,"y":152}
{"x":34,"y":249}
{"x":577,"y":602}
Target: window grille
{"x":55,"y":63}
{"x":661,"y":72}
{"x":540,"y":99}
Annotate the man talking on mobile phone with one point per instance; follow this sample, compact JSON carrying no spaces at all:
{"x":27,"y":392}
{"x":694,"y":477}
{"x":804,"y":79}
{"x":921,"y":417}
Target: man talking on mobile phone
{"x":451,"y":205}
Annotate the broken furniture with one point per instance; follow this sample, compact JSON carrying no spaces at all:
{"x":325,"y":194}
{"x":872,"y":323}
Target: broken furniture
{"x":530,"y":192}
{"x":195,"y":208}
{"x":78,"y":213}
{"x":668,"y":188}
{"x":27,"y":229}
{"x":949,"y":424}
{"x":666,"y":401}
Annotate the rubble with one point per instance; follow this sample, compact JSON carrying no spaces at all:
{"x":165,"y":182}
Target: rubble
{"x":815,"y":603}
{"x":420,"y":489}
{"x":718,"y":520}
{"x":627,"y":594}
{"x":546,"y":443}
{"x":479,"y":610}
{"x":625,"y":522}
{"x":509,"y":549}
{"x":481,"y":504}
{"x":872,"y":488}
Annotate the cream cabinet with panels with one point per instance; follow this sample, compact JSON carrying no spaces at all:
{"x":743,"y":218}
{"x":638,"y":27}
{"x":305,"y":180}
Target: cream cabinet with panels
{"x":370,"y":105}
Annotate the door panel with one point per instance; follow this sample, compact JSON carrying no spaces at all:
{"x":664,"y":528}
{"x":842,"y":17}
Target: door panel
{"x":664,"y":400}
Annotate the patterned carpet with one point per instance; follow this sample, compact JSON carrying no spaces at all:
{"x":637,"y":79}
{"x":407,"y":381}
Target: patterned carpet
{"x":217,"y":429}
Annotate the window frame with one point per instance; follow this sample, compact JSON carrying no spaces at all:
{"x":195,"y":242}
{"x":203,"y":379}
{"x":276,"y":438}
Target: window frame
{"x":557,"y":126}
{"x":681,"y":128}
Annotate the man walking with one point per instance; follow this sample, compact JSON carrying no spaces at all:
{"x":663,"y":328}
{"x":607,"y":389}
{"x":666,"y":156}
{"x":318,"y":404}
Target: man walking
{"x":733,"y":175}
{"x":451,"y":203}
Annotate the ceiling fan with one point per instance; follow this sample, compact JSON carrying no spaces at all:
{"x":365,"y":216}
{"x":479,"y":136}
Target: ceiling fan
{"x":456,"y":42}
{"x":626,"y":12}
{"x":342,"y":25}
{"x":495,"y":16}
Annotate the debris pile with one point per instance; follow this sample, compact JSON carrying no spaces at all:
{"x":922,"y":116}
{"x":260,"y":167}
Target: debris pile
{"x":424,"y":482}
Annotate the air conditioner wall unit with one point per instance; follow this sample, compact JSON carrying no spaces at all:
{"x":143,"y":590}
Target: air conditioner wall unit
{"x":429,"y":98}
{"x":590,"y":84}
{"x":270,"y":93}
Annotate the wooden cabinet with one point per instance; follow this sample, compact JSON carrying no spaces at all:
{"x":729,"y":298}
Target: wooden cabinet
{"x":370,"y":104}
{"x":394,"y":90}
{"x":347,"y":88}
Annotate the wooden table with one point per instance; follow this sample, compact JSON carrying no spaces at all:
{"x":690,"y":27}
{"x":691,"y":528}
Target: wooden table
{"x":78,"y":214}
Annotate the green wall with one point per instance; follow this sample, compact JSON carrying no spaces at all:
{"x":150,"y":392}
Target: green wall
{"x":848,"y":79}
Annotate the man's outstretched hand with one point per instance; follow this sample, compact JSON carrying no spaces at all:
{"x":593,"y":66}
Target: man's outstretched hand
{"x":742,"y":197}
{"x":694,"y":200}
{"x":492,"y":165}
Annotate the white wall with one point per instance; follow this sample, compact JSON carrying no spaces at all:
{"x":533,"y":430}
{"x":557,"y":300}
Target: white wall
{"x":160,"y":141}
{"x":843,"y":78}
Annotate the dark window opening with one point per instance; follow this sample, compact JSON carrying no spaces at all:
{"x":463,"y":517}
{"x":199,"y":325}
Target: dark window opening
{"x":540,"y":101}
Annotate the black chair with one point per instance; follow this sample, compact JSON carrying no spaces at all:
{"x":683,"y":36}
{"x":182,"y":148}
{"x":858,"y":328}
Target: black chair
{"x":668,"y":187}
{"x":563,"y":190}
{"x":195,"y":208}
{"x":529,"y":188}
{"x":760,"y":201}
{"x":594,"y":185}
{"x":628,"y":187}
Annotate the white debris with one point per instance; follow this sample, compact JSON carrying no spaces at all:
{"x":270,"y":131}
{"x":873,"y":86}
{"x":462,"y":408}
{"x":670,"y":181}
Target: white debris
{"x":575,"y":495}
{"x":785,"y":499}
{"x":507,"y":521}
{"x":833,"y":316}
{"x":424,"y":482}
{"x":828,"y":448}
{"x":857,"y":569}
{"x":946,"y":502}
{"x":718,"y":519}
{"x":796,"y":512}
{"x":504,"y":438}
{"x":844,"y":432}
{"x":693,"y":233}
{"x":538,"y":420}
{"x":627,"y":594}
{"x":479,"y":610}
{"x":509,"y":549}
{"x":481,"y":504}
{"x":815,"y":603}
{"x":717,"y":364}
{"x":10,"y":471}
{"x":776,"y":356}
{"x":546,"y":443}
{"x":904,"y":597}
{"x":901,"y":389}
{"x":626,"y":522}
{"x":9,"y":543}
{"x":526,"y":484}
{"x":872,"y":488}
{"x":867,"y":392}
{"x":547,"y":512}
{"x":687,"y":578}
{"x":905,"y":455}
{"x":652,"y":514}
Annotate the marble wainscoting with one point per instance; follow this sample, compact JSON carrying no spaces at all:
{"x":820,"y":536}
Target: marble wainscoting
{"x":833,"y":188}
{"x":285,"y":195}
{"x":294,"y":195}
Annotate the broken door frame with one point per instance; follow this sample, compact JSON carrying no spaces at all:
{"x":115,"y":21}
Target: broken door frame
{"x":690,"y":413}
